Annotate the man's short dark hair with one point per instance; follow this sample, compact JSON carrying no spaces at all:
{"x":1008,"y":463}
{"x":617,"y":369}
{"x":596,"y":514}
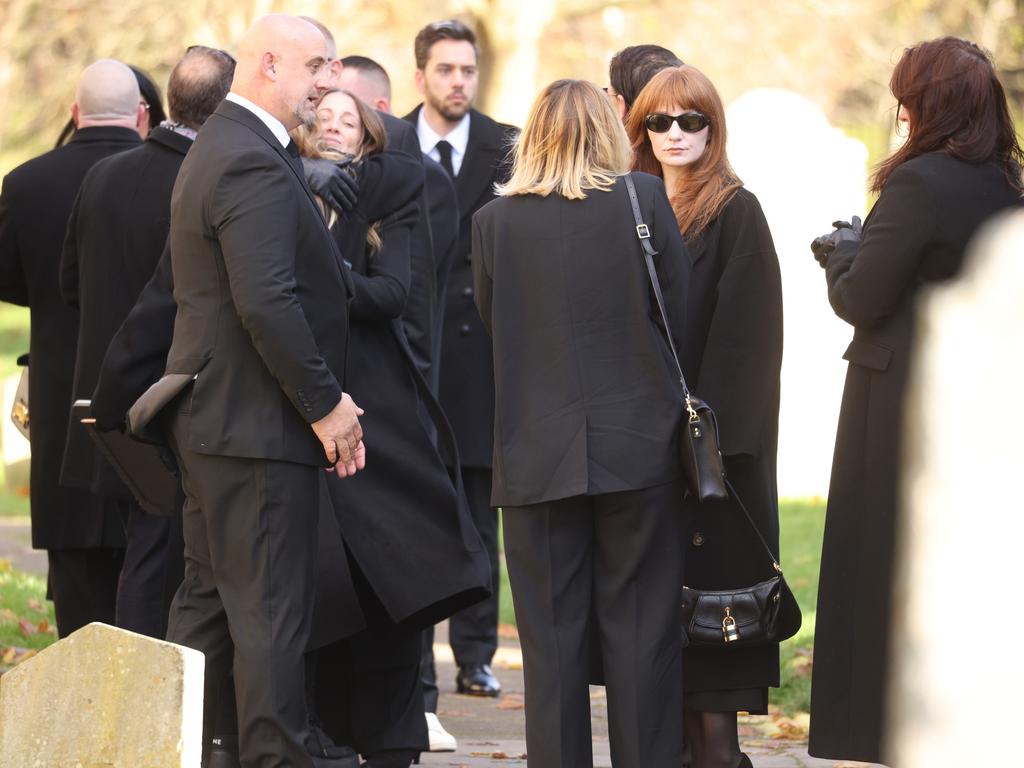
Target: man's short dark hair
{"x":450,"y":29}
{"x":198,"y":84}
{"x":633,"y":67}
{"x":369,"y":67}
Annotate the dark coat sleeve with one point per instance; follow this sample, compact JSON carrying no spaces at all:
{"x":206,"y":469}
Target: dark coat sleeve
{"x":383,"y":291}
{"x":483,"y":285}
{"x":739,"y":372}
{"x":69,"y":258}
{"x":867,"y":281}
{"x":259,"y":259}
{"x":137,"y":354}
{"x":13,"y":287}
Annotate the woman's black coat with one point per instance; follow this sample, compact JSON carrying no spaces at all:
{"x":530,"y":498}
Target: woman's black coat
{"x":732,"y":355}
{"x":586,"y":401}
{"x":916,"y":235}
{"x":402,"y":518}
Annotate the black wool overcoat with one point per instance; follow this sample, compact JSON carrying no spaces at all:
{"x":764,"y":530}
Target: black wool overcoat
{"x":915,"y":236}
{"x":35,"y":204}
{"x":587,"y":401}
{"x":115,"y":236}
{"x":402,"y":518}
{"x":732,"y":356}
{"x":467,"y":378}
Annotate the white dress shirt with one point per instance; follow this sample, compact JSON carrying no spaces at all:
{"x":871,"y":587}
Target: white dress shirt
{"x":458,"y":138}
{"x":276,"y":126}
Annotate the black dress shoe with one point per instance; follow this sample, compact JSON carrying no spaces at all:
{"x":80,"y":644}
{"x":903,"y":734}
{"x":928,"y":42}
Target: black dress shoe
{"x":477,"y":680}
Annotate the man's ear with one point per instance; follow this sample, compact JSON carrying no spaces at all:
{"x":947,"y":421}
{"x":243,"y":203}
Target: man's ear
{"x":620,"y":106}
{"x":74,"y":114}
{"x":382,"y":105}
{"x":421,"y":84}
{"x":268,"y":65}
{"x":142,"y":120}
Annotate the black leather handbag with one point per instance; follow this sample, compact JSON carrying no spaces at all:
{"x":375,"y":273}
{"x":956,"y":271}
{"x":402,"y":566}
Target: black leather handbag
{"x":762,"y":614}
{"x":699,"y":455}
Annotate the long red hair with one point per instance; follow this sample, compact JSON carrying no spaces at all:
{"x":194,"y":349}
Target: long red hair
{"x":708,"y":183}
{"x":956,"y":106}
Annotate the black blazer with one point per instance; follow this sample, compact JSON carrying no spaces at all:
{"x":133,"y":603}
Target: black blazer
{"x":466,"y":381}
{"x":586,"y":398}
{"x":444,"y":232}
{"x":115,"y":236}
{"x":915,"y":236}
{"x":262,"y":320}
{"x":35,"y":205}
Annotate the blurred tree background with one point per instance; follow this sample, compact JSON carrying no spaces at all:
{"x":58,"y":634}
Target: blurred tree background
{"x":837,"y":53}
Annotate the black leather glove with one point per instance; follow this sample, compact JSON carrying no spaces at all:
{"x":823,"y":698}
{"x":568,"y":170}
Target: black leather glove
{"x":332,"y":182}
{"x":823,"y":246}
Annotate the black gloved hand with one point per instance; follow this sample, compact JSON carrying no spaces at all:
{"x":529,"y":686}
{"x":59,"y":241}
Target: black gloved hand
{"x":332,"y":182}
{"x":823,"y":246}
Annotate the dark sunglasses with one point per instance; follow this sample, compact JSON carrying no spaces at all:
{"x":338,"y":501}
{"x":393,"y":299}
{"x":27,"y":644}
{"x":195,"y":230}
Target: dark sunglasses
{"x":690,"y":122}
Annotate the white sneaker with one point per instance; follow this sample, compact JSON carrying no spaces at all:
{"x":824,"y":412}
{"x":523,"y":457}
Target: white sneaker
{"x":440,"y":740}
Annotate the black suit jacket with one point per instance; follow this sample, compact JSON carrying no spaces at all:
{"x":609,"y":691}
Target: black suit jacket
{"x":115,"y":236}
{"x":420,"y":306}
{"x":444,"y":232}
{"x":467,"y":383}
{"x":262,"y":294}
{"x":35,"y":204}
{"x":587,"y":398}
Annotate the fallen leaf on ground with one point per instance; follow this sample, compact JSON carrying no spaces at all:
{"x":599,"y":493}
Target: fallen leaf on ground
{"x":508,"y":631}
{"x":27,"y":627}
{"x":35,"y":605}
{"x":787,"y":730}
{"x":5,"y":565}
{"x":8,"y":655}
{"x":43,"y":626}
{"x":511,"y":701}
{"x":8,"y":615}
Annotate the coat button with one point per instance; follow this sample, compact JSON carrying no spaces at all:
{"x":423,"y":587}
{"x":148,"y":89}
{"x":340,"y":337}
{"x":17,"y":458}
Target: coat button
{"x":698,"y":539}
{"x":464,"y":329}
{"x":467,"y":291}
{"x":469,"y":259}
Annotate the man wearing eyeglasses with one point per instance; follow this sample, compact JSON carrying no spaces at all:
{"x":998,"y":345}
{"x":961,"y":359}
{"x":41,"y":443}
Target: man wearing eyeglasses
{"x":472,"y":148}
{"x":118,"y":227}
{"x":252,"y":393}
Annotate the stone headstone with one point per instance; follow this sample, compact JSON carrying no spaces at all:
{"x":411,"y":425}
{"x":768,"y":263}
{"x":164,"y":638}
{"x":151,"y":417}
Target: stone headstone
{"x":806,"y":173}
{"x":104,"y":697}
{"x":956,"y":643}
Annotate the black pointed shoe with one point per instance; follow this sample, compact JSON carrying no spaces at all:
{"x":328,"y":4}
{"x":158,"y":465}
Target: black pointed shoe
{"x":477,"y":680}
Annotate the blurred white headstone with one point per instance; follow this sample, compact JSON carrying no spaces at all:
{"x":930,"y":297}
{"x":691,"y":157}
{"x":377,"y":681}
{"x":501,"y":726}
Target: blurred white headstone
{"x":957,"y":668}
{"x":806,"y":173}
{"x":104,"y":697}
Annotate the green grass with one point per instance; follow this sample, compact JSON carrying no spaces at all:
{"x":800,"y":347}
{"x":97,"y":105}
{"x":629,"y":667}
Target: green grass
{"x":802,"y":523}
{"x":26,"y":616}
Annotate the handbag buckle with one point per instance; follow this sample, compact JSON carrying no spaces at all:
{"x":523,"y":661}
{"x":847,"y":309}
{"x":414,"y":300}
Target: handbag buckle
{"x":729,"y":630}
{"x":694,"y":418}
{"x":643,"y":232}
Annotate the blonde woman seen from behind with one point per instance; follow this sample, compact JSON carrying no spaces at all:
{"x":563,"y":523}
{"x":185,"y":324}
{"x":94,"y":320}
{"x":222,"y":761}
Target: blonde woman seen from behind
{"x":587,"y":410}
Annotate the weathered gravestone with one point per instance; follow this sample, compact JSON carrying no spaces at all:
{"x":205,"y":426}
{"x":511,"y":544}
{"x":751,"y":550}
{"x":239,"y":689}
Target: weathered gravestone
{"x":957,"y":669}
{"x":103,"y":697}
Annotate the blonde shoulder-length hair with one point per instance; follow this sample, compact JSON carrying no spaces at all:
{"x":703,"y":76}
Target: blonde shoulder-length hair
{"x":573,"y":141}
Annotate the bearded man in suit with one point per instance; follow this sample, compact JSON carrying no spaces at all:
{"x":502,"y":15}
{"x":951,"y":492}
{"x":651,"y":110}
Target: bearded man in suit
{"x":252,"y":391}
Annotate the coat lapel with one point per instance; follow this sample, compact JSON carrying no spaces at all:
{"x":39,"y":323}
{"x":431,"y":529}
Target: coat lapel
{"x":240,"y":114}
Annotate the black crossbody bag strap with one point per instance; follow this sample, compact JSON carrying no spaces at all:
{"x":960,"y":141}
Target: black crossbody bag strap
{"x":643,"y":232}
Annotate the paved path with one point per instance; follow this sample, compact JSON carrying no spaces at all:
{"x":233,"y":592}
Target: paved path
{"x":490,"y":731}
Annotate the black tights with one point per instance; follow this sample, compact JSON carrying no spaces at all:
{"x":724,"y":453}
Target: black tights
{"x":713,"y":739}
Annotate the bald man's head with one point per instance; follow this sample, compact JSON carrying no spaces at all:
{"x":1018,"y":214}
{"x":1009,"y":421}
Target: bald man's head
{"x":283,"y":67}
{"x":107,"y":94}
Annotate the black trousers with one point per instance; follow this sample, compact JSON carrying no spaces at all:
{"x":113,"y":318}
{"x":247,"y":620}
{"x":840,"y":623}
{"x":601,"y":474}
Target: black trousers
{"x":246,"y":600}
{"x":473,"y":631}
{"x":83,"y":586}
{"x":614,"y":560}
{"x":152,"y":571}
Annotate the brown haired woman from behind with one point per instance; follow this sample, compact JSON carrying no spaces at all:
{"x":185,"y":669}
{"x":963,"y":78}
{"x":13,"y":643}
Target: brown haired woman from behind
{"x":960,"y":165}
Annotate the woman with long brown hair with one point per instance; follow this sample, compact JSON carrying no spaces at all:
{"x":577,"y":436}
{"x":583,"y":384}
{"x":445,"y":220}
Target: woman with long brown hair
{"x":960,"y":164}
{"x":731,"y":355}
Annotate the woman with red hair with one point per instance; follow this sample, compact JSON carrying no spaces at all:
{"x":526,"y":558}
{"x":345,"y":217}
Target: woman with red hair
{"x":960,"y":164}
{"x":731,"y":354}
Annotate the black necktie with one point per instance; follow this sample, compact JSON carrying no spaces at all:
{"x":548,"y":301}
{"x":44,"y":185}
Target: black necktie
{"x":293,"y":148}
{"x":444,"y":149}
